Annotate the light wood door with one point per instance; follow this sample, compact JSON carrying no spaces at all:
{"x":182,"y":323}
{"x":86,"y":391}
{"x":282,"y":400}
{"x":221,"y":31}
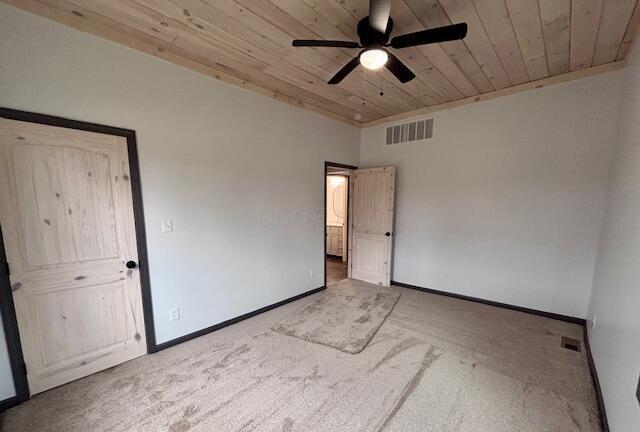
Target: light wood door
{"x":67,"y":219}
{"x":372,"y":225}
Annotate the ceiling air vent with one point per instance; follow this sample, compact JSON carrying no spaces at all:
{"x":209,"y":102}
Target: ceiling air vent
{"x":408,"y":132}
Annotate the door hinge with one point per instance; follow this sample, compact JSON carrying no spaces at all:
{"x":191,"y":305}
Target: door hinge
{"x":24,"y":368}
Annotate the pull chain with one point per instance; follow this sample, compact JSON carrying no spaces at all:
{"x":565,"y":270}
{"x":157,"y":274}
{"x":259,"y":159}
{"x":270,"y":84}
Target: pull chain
{"x":364,"y":86}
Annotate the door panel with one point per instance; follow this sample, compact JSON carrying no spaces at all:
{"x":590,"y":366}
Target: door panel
{"x":372,"y":219}
{"x":369,"y":258}
{"x":53,"y":232}
{"x":67,"y":218}
{"x":104,"y":302}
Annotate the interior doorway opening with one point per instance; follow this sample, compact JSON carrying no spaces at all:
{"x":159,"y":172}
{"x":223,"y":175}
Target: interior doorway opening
{"x":337,"y":185}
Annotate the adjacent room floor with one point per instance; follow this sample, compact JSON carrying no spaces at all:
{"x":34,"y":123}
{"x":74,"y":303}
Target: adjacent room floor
{"x":435,"y":364}
{"x":336,"y":270}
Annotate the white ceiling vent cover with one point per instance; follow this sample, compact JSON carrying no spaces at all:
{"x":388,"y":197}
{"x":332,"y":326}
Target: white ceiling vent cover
{"x":408,"y":132}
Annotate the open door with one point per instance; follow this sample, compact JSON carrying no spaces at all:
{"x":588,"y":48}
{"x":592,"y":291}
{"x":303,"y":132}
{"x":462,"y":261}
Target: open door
{"x":372,"y":225}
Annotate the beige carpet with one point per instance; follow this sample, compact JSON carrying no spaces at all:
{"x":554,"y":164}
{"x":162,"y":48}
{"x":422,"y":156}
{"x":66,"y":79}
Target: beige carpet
{"x":345,"y":316}
{"x":435,"y":364}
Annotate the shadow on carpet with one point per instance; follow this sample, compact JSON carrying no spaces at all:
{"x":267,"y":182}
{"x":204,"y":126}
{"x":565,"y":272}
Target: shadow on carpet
{"x":345,"y":316}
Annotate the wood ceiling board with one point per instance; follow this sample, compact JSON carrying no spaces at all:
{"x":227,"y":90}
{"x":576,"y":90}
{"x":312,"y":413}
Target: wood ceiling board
{"x":455,"y":83}
{"x":358,"y":92}
{"x":478,"y":41}
{"x":556,"y":29}
{"x":525,"y":16}
{"x":312,"y":83}
{"x":311,"y":18}
{"x":431,"y":14}
{"x":630,"y":33}
{"x":585,"y":21}
{"x":226,"y":28}
{"x":336,"y":15}
{"x":613,"y":23}
{"x":510,"y":44}
{"x":497,"y":22}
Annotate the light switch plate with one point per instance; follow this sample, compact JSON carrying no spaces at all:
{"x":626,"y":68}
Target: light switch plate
{"x":167,"y":225}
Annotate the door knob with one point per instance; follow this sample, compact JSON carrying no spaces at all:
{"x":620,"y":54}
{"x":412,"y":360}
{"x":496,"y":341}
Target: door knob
{"x":387,"y":233}
{"x":131,"y":264}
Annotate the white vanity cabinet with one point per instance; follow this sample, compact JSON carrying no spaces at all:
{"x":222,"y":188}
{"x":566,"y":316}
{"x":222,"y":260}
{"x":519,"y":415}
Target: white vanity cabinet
{"x":334,"y":240}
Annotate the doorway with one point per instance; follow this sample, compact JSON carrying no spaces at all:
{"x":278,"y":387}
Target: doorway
{"x":336,"y":216}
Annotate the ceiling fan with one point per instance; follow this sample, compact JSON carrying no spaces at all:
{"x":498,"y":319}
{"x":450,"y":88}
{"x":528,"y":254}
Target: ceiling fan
{"x":374,"y":32}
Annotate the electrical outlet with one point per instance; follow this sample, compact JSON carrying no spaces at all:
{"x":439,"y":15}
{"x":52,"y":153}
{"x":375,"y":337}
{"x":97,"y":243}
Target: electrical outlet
{"x":595,"y":320}
{"x":174,"y":314}
{"x":166,"y":225}
{"x":311,"y":274}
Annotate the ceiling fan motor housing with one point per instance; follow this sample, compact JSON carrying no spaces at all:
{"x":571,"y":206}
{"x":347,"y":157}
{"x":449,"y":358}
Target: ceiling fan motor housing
{"x":369,"y":37}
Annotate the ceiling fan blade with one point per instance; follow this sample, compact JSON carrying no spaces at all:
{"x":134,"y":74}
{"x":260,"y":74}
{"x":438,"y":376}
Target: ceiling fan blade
{"x":346,"y":69}
{"x":379,"y":11}
{"x":399,"y":70}
{"x":324,"y":43}
{"x":440,"y":34}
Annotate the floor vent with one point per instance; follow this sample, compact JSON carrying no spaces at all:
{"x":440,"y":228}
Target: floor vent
{"x":572,"y":344}
{"x":408,"y":132}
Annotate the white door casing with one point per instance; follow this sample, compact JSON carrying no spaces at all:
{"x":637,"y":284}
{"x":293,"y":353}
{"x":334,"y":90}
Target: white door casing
{"x":372,"y":225}
{"x":66,"y":212}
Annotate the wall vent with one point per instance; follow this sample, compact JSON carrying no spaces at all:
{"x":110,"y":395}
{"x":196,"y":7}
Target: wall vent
{"x":408,"y":132}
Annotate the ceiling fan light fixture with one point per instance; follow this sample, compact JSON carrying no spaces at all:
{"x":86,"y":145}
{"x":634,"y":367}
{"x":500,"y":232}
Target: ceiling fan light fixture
{"x":374,"y":32}
{"x":374,"y":58}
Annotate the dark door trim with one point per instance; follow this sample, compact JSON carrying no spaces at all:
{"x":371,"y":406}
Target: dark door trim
{"x":10,"y":324}
{"x":6,"y":298}
{"x":324,"y":200}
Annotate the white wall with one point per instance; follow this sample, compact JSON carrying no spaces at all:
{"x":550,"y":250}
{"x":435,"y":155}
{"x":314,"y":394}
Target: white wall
{"x":218,"y":160}
{"x":615,"y":300}
{"x":505,"y":201}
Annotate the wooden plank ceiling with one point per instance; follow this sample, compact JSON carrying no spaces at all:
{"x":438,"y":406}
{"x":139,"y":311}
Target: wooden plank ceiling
{"x":248,"y":43}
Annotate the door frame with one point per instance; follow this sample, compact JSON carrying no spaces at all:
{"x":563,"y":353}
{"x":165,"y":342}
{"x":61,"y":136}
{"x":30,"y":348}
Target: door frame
{"x":324,"y":218}
{"x":10,"y":322}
